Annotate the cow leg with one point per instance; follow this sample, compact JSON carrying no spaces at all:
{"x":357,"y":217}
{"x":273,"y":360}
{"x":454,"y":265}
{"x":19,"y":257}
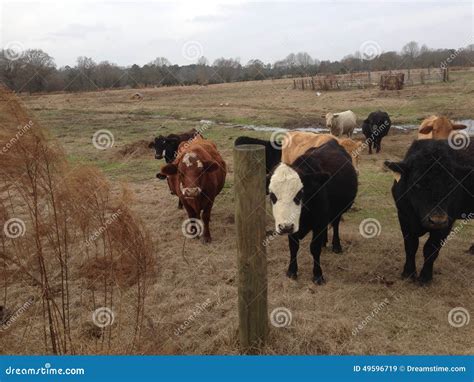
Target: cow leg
{"x":294,"y":244}
{"x":336,"y":242}
{"x":180,"y":204}
{"x":370,"y":147}
{"x":430,"y":253}
{"x":379,"y":145}
{"x":206,"y":218}
{"x":315,"y":248}
{"x":325,"y":237}
{"x":411,"y":246}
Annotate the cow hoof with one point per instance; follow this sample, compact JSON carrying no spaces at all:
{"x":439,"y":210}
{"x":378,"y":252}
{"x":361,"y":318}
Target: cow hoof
{"x":319,"y":280}
{"x":336,"y":249}
{"x":409,"y":275}
{"x":424,"y":280}
{"x":292,"y":274}
{"x":180,"y":206}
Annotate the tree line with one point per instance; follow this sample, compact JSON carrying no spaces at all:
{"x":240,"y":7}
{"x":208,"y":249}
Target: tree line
{"x":34,"y":70}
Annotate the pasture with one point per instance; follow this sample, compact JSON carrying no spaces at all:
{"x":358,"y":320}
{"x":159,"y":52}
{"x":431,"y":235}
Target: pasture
{"x":364,"y":308}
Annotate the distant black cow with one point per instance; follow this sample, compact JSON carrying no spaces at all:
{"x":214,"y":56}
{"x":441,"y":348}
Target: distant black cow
{"x":272,"y":150}
{"x":375,"y":127}
{"x":434,"y":186}
{"x":310,"y":194}
{"x":167,"y":147}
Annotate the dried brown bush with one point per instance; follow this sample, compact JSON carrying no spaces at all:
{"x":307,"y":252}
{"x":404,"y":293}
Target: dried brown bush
{"x":77,"y":246}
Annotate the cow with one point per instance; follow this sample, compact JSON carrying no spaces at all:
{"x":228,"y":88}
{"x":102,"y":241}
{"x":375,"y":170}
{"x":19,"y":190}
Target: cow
{"x":438,"y":127}
{"x":341,"y":123}
{"x":272,"y":150}
{"x":298,"y":142}
{"x":167,"y":146}
{"x":434,"y":186}
{"x":197,"y":176}
{"x":308,"y":195}
{"x":375,"y":127}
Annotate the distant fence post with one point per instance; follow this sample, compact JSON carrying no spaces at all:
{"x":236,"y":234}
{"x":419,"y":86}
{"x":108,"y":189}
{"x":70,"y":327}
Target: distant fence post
{"x":249,"y":183}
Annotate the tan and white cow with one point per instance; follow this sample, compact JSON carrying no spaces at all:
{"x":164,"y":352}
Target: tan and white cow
{"x":438,"y":127}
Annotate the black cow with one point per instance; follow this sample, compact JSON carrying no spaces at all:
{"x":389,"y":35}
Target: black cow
{"x":375,"y":127}
{"x":434,"y":186}
{"x":167,"y":147}
{"x":272,"y":150}
{"x":310,"y":194}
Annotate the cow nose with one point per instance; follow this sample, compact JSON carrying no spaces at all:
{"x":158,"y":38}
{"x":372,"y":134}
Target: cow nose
{"x":158,"y":156}
{"x":438,"y":219}
{"x":191,"y":191}
{"x":285,"y":228}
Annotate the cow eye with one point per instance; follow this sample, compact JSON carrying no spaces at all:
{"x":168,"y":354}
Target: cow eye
{"x":273,"y":197}
{"x":298,"y":198}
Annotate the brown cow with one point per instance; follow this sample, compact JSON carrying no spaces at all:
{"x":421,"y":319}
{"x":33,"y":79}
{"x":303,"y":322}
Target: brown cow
{"x":437,"y":127}
{"x":296,"y":143}
{"x":197,"y":176}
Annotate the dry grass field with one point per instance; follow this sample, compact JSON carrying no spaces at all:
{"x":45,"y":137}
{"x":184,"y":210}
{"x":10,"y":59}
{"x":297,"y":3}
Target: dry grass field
{"x":191,"y":299}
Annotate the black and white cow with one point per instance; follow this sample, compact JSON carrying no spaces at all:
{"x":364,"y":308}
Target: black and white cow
{"x":310,"y":194}
{"x":375,"y":127}
{"x":434,"y":186}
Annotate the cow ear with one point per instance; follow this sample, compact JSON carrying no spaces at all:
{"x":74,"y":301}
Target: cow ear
{"x":397,"y":168}
{"x":210,"y":166}
{"x":151,"y":144}
{"x":426,"y":129}
{"x":458,"y":126}
{"x":169,"y":169}
{"x":336,"y":115}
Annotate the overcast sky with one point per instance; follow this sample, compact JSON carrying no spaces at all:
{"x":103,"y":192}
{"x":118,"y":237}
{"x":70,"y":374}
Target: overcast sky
{"x":128,"y":32}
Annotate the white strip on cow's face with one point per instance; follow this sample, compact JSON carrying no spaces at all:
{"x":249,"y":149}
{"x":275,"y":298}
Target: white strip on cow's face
{"x":285,"y":184}
{"x":191,"y":158}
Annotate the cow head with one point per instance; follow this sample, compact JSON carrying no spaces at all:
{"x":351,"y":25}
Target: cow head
{"x":165,"y":147}
{"x":330,"y":117}
{"x":427,"y":179}
{"x":190,"y":171}
{"x":438,"y":127}
{"x":288,"y":189}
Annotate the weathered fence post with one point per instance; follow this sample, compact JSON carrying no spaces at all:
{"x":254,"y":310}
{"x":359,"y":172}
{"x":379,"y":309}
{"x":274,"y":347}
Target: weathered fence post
{"x":302,"y":84}
{"x":294,"y":84}
{"x":249,"y":183}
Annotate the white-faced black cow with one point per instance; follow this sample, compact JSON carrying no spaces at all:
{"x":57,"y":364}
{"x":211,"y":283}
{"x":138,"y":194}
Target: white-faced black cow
{"x":375,"y":127}
{"x":434,"y":186}
{"x":310,"y":194}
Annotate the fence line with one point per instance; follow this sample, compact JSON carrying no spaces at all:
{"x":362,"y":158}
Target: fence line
{"x":362,"y":80}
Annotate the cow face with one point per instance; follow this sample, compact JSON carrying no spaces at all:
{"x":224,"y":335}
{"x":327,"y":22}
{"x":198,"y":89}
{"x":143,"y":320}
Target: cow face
{"x":286,"y":193}
{"x":190,"y":171}
{"x":438,"y":128}
{"x":288,"y":189}
{"x":165,"y":147}
{"x":330,"y":119}
{"x":428,"y":189}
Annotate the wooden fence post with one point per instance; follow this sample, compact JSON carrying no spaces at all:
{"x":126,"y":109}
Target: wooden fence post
{"x":249,"y":183}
